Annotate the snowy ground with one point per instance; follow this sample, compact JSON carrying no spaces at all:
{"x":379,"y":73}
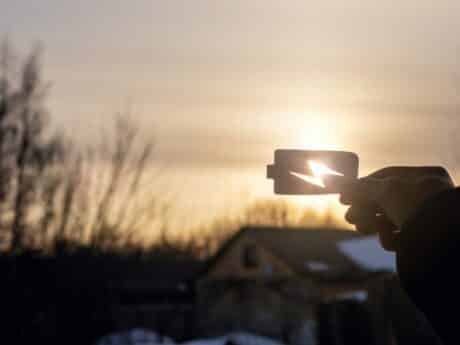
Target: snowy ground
{"x":146,"y":337}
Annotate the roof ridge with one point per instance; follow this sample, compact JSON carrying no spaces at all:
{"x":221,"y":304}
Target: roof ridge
{"x":317,"y":231}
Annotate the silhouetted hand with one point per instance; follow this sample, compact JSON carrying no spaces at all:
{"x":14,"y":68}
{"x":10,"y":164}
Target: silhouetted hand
{"x":383,"y":201}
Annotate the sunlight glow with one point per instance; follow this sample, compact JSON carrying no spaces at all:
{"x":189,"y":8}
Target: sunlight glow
{"x":326,"y":205}
{"x":314,"y":180}
{"x":318,"y":169}
{"x":315,"y":130}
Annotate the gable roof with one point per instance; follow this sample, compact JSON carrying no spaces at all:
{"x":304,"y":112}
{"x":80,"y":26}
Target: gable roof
{"x":310,"y":251}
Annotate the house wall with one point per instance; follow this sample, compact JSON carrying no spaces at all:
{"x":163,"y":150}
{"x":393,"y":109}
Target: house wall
{"x":270,"y":307}
{"x":266,"y":297}
{"x":231,"y":263}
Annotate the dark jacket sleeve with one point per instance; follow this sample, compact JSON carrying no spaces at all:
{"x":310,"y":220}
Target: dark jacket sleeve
{"x":428,"y":262}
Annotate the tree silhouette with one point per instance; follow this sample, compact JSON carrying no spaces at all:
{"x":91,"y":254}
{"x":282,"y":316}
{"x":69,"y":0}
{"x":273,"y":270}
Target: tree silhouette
{"x":26,"y":146}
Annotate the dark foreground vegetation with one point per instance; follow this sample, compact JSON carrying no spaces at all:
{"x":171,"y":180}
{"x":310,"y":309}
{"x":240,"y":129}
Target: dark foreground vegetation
{"x":75,"y":299}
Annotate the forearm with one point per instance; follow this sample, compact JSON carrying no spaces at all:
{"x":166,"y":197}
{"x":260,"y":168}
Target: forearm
{"x":428,"y":258}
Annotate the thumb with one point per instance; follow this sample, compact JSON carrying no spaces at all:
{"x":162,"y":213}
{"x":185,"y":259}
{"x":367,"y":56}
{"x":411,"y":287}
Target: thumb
{"x":337,"y":183}
{"x":370,"y":188}
{"x":356,"y":189}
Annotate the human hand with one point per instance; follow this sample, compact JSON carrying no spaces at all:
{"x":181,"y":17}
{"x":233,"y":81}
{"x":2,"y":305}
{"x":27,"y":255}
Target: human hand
{"x":383,"y":201}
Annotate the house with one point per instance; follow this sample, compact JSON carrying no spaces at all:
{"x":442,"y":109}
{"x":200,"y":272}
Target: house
{"x":273,"y":282}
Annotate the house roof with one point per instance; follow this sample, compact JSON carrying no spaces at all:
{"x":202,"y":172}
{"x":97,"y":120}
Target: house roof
{"x":310,"y":251}
{"x":158,"y":274}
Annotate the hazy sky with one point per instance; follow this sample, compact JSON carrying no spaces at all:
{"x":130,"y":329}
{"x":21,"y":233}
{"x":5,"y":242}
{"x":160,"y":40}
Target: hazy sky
{"x":223,"y":83}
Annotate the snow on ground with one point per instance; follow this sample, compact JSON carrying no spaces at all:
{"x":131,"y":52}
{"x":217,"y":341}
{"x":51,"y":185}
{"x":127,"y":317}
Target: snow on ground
{"x":146,"y":337}
{"x":239,"y":338}
{"x":369,"y":254}
{"x":137,"y":336}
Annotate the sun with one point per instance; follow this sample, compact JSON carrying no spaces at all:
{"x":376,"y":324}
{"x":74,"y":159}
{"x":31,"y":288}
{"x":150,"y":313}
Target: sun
{"x":315,"y":131}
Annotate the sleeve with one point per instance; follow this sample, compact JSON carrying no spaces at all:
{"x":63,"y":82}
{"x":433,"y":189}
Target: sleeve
{"x":428,"y":261}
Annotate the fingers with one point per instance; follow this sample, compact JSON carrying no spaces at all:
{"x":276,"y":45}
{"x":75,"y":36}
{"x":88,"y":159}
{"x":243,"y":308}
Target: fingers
{"x":389,"y":237}
{"x":337,"y":183}
{"x":409,"y":172}
{"x":386,"y":230}
{"x":363,"y":190}
{"x":346,"y":198}
{"x":366,"y":217}
{"x":361,"y":212}
{"x":377,"y":183}
{"x":368,"y":220}
{"x":382,"y":201}
{"x":350,"y":189}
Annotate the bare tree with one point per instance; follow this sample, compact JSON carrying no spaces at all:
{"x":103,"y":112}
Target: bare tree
{"x":52,"y":193}
{"x":27,"y":149}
